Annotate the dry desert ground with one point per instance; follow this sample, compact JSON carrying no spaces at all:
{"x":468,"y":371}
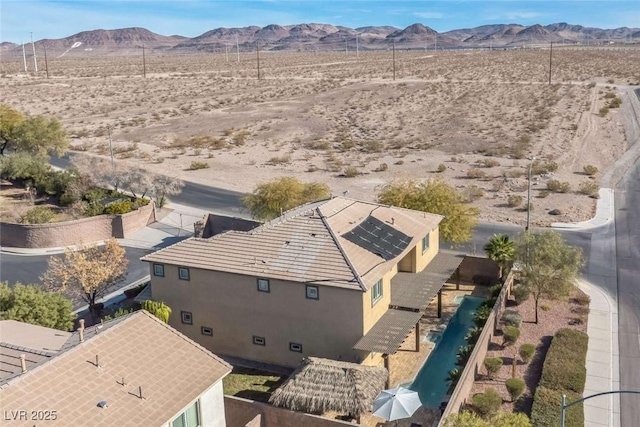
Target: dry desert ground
{"x":342,"y":119}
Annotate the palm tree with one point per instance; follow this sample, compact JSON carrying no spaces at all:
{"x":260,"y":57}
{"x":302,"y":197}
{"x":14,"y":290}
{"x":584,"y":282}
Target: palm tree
{"x":501,"y":249}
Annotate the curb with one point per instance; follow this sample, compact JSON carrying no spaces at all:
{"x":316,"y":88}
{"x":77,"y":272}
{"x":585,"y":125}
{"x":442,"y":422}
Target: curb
{"x":605,"y":213}
{"x":114,"y":297}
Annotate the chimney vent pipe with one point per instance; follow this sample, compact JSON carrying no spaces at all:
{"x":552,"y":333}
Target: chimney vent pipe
{"x":23,"y":362}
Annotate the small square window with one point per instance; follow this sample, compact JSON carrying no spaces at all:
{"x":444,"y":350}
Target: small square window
{"x":187,"y":317}
{"x":293,"y":346}
{"x":259,"y":340}
{"x":376,"y":292}
{"x":425,"y":243}
{"x":206,"y":331}
{"x":312,"y":292}
{"x":183,"y":273}
{"x":158,"y":270}
{"x":263,"y":285}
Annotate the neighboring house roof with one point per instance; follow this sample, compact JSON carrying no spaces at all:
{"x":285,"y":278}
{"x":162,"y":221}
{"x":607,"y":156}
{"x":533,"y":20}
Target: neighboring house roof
{"x":171,"y":369}
{"x":217,"y":224}
{"x":323,"y":385}
{"x":305,"y":244}
{"x":37,"y":343}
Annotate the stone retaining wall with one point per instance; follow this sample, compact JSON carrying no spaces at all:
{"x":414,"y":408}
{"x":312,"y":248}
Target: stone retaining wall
{"x":76,"y":232}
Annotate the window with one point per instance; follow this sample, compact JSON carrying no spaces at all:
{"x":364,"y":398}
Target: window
{"x":206,"y":331}
{"x":183,"y":273}
{"x":263,"y":285}
{"x":189,"y":418}
{"x":187,"y":317}
{"x":258,"y":340}
{"x":425,"y":243}
{"x":158,"y":270}
{"x":376,"y":292}
{"x":312,"y":292}
{"x":294,"y":346}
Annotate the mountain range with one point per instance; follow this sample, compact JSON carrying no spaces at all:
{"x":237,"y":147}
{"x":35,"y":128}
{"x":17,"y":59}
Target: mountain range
{"x":312,"y":37}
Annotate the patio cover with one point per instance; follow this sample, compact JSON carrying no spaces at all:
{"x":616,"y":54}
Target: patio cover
{"x":416,"y":290}
{"x":388,"y":334}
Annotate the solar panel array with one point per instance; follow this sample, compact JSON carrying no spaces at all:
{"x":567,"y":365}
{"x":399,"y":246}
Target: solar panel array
{"x":379,"y":238}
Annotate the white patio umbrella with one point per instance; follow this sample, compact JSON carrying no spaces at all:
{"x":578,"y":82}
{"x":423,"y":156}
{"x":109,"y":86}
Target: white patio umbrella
{"x":396,"y":404}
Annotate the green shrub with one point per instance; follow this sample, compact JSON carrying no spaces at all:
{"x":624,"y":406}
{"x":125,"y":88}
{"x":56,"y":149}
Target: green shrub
{"x":487,"y":403}
{"x":510,"y":335}
{"x":582,"y":299}
{"x":198,"y":165}
{"x":38,"y":215}
{"x":464,"y":353}
{"x":514,"y":200}
{"x":590,"y":170}
{"x":526,"y":352}
{"x":472,"y":193}
{"x":512,"y":318}
{"x":580,"y":310}
{"x":520,"y":293}
{"x":67,"y":199}
{"x":94,"y":208}
{"x":95,"y":195}
{"x":564,"y":366}
{"x":454,"y":375}
{"x":539,"y":167}
{"x":119,"y":208}
{"x":481,"y":316}
{"x":543,"y":193}
{"x":515,"y":387}
{"x":473,"y":334}
{"x":441,"y":168}
{"x":557,"y":186}
{"x":589,"y":188}
{"x":476,"y":173}
{"x":492,"y":365}
{"x":351,"y":172}
{"x":495,"y":290}
{"x":546,"y":409}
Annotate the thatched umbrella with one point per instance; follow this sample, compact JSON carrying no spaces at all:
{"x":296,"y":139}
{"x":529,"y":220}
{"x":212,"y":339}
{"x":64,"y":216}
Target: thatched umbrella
{"x":322,"y":385}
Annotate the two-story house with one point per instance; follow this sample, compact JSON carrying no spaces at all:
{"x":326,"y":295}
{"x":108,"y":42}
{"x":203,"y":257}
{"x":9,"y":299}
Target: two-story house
{"x":314,"y":282}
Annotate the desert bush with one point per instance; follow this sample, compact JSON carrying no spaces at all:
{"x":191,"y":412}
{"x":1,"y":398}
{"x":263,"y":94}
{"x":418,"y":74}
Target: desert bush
{"x":540,"y":167}
{"x":580,"y":310}
{"x":514,"y":200}
{"x":93,"y":208}
{"x":557,"y":186}
{"x":488,"y":163}
{"x":492,"y":365}
{"x":543,"y":193}
{"x":564,"y":366}
{"x":38,"y":215}
{"x":95,"y":195}
{"x":515,"y":387}
{"x":472,"y":193}
{"x":240,"y":138}
{"x":198,"y":165}
{"x":545,"y":411}
{"x":512,"y":318}
{"x":475,"y":173}
{"x":545,"y":307}
{"x":495,"y":290}
{"x":383,"y":167}
{"x":589,"y":188}
{"x":590,"y":170}
{"x":603,"y":111}
{"x":526,"y":352}
{"x":582,"y":299}
{"x":510,"y":335}
{"x":279,"y":160}
{"x":487,"y":403}
{"x":119,"y":208}
{"x":66,"y":199}
{"x":351,"y":172}
{"x":520,"y":293}
{"x":372,"y":146}
{"x":318,"y":144}
{"x":441,"y":168}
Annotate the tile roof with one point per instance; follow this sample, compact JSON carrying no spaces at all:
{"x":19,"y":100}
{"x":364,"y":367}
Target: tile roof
{"x":304,"y":245}
{"x":171,"y":369}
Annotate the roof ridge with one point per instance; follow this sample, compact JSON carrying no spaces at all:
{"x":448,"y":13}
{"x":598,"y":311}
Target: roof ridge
{"x":342,"y":251}
{"x":27,"y":349}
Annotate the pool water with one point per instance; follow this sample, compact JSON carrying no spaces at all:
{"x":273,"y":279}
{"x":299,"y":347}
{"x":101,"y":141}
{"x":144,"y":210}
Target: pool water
{"x":432,"y":381}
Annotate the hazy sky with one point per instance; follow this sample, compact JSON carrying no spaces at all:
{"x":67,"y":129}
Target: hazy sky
{"x":62,"y":18}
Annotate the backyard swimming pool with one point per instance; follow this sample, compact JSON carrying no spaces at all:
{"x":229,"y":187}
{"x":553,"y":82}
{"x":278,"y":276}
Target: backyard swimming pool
{"x":432,"y":381}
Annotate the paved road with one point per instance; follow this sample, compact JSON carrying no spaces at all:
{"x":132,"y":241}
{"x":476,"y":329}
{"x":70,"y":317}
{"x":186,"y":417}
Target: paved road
{"x":28,"y":268}
{"x":627,"y":203}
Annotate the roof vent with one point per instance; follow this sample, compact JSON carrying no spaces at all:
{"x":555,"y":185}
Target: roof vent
{"x":102,"y":404}
{"x":23,"y":362}
{"x":393,"y":220}
{"x":81,"y":330}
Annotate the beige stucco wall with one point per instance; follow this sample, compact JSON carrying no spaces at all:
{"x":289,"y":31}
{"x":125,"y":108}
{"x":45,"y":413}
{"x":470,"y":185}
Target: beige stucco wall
{"x":422,"y":260}
{"x":232,"y":306}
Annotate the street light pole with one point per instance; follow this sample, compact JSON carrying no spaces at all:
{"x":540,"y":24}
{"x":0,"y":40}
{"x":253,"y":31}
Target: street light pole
{"x":529,"y":196}
{"x":564,"y":405}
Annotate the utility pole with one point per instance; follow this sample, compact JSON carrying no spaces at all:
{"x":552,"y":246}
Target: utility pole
{"x":46,"y":63}
{"x":24,"y":57}
{"x":35,"y":61}
{"x":144,"y":64}
{"x":113,"y":165}
{"x":394,"y":59}
{"x":357,"y":48}
{"x":346,"y":47}
{"x":436,"y":43}
{"x":550,"y":58}
{"x":258,"y":57}
{"x":226,"y":51}
{"x":529,"y":196}
{"x":237,"y":50}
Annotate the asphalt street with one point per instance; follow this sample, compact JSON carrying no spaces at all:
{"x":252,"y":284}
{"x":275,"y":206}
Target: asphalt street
{"x":627,"y":202}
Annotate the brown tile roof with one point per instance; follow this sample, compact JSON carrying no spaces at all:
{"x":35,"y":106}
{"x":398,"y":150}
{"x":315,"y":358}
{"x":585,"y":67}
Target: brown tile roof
{"x":171,"y":369}
{"x":303,"y":245}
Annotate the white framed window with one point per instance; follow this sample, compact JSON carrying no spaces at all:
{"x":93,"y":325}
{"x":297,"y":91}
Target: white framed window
{"x":158,"y":270}
{"x":205,"y":330}
{"x":259,"y":340}
{"x":187,"y":317}
{"x":294,"y":346}
{"x":312,"y":292}
{"x":376,"y":292}
{"x":263,"y":285}
{"x":189,"y":418}
{"x":183,"y":273}
{"x":425,"y":243}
